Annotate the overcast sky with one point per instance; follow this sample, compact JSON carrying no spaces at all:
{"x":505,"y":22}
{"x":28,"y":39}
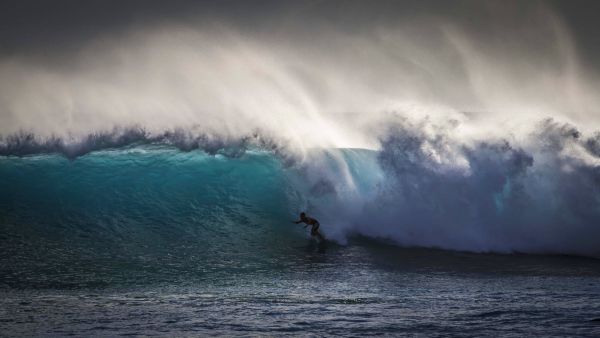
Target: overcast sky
{"x":47,"y":27}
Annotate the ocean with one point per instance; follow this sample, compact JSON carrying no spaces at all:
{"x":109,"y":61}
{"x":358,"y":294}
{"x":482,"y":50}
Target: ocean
{"x":152,"y":240}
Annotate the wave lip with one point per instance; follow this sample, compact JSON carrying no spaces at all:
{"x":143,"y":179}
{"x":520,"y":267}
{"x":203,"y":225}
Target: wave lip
{"x":23,"y":143}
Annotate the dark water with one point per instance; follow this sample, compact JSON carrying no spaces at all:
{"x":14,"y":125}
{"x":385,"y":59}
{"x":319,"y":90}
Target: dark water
{"x":362,"y":288}
{"x":155,"y":241}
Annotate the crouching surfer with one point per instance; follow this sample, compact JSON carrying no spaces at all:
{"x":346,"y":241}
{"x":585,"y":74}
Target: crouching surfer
{"x":314,"y":231}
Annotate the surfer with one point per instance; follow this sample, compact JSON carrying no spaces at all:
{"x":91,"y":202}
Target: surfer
{"x":314,"y":231}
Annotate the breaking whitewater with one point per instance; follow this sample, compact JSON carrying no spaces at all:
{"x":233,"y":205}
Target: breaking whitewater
{"x":423,"y":185}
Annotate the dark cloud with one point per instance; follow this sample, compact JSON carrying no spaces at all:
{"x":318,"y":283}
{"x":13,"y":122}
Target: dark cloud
{"x":52,"y":26}
{"x":581,"y":16}
{"x":55,"y":25}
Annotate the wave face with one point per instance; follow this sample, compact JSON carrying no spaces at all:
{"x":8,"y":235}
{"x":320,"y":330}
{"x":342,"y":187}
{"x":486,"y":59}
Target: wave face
{"x":150,"y":208}
{"x":156,"y":205}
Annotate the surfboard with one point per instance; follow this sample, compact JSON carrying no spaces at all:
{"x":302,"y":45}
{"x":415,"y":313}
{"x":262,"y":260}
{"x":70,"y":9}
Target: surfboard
{"x":320,"y":238}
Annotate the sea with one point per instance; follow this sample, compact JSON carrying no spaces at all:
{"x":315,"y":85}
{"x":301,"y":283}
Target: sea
{"x":155,"y":240}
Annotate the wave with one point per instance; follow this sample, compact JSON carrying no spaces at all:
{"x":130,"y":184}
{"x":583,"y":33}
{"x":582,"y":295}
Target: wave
{"x":424,"y":187}
{"x":27,"y":143}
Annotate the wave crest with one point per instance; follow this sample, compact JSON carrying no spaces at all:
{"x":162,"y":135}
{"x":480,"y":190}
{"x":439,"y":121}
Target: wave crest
{"x":24,"y":143}
{"x":542,"y":196}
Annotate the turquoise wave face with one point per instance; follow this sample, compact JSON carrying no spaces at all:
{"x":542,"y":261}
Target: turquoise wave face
{"x":158,"y":211}
{"x":147,"y":208}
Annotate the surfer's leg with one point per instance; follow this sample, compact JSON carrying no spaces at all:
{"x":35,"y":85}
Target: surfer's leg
{"x":320,"y":236}
{"x":314,"y":231}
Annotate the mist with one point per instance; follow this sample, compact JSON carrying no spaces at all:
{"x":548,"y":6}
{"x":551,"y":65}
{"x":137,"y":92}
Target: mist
{"x":315,"y":84}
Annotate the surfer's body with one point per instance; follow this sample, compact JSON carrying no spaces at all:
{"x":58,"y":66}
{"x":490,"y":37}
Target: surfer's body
{"x":314,"y":231}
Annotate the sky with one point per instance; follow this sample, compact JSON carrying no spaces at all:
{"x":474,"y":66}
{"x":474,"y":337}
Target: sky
{"x":295,"y":68}
{"x":43,"y":27}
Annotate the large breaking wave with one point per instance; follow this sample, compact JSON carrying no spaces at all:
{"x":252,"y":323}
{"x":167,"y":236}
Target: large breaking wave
{"x":424,"y":186}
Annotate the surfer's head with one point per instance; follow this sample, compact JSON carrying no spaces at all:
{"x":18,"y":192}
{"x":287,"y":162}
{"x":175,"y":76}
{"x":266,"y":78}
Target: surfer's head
{"x":302,"y":215}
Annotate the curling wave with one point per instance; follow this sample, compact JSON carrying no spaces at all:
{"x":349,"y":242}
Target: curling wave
{"x":423,"y":187}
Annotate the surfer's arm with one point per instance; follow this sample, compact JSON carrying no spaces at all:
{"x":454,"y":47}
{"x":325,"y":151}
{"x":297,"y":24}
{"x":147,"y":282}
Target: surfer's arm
{"x":301,"y":221}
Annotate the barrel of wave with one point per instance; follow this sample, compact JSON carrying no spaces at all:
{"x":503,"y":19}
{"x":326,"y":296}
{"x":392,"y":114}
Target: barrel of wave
{"x":335,"y":186}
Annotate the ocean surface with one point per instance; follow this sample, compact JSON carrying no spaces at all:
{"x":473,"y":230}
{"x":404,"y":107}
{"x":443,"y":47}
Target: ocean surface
{"x":152,"y":240}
